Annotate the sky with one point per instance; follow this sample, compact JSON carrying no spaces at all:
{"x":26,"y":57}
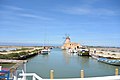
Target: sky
{"x":88,"y":22}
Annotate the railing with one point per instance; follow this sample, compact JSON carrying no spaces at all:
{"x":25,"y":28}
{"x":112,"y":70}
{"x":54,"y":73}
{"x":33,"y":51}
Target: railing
{"x":35,"y":76}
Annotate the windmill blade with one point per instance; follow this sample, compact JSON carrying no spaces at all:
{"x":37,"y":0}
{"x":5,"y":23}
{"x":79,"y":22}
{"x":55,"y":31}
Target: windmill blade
{"x":63,"y":37}
{"x":67,"y":35}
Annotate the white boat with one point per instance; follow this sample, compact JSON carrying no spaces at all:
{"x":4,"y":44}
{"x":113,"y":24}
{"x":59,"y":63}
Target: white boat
{"x":45,"y":51}
{"x":95,"y":56}
{"x":48,"y":50}
{"x":71,"y":51}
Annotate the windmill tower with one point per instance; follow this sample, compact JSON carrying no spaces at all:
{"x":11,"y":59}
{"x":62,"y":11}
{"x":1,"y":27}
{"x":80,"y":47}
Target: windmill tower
{"x":67,"y":40}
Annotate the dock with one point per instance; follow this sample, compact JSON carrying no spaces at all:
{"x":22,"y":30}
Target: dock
{"x":106,"y":53}
{"x":12,"y":61}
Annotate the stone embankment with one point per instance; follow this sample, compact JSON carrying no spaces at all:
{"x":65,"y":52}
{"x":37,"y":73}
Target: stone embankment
{"x":106,"y":52}
{"x":19,"y":53}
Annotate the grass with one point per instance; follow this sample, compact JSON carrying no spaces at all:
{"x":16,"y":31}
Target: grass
{"x":18,"y":55}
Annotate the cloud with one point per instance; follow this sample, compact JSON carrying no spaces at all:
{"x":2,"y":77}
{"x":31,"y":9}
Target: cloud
{"x":9,"y":10}
{"x":88,"y":11}
{"x":12,"y":7}
{"x":29,"y":15}
{"x":76,"y":10}
{"x":89,"y":2}
{"x":105,"y":12}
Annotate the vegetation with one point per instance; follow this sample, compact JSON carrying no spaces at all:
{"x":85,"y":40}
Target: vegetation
{"x":22,"y":49}
{"x":3,"y":56}
{"x":3,"y":51}
{"x":19,"y":55}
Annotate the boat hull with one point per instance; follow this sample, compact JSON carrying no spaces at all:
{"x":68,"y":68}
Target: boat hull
{"x":44,"y":52}
{"x":108,"y":61}
{"x":85,"y":53}
{"x":95,"y":56}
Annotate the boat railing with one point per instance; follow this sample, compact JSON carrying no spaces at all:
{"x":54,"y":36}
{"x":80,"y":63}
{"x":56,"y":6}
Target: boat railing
{"x":33,"y":75}
{"x":36,"y":77}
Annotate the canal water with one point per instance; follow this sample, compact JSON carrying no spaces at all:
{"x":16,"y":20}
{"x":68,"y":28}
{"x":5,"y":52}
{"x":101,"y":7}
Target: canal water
{"x":68,"y":66}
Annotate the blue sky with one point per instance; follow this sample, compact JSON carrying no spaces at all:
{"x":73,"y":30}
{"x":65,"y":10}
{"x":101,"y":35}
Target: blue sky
{"x":89,"y":22}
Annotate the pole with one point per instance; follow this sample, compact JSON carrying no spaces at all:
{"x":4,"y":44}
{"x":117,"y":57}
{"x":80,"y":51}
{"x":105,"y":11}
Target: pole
{"x":82,"y":74}
{"x":51,"y":74}
{"x":116,"y":71}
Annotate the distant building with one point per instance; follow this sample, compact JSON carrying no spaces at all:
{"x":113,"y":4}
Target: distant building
{"x":70,"y":45}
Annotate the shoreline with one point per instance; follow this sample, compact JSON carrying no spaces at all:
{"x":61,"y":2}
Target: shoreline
{"x":24,"y":52}
{"x":18,"y":53}
{"x":113,"y":53}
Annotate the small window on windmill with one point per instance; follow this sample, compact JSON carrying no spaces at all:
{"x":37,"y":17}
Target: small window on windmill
{"x":77,"y":47}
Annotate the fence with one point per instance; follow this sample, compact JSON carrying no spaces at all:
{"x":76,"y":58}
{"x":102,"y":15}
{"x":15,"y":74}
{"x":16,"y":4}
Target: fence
{"x":35,"y":76}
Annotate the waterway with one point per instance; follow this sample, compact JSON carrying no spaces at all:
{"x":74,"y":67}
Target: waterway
{"x":68,"y":66}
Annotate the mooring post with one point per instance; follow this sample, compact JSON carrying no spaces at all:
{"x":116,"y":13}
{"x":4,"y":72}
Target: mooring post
{"x":51,"y":74}
{"x":116,"y":71}
{"x":82,"y":73}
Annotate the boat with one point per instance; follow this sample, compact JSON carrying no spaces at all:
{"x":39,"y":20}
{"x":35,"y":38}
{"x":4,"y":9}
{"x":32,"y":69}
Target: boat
{"x":71,"y":51}
{"x":109,"y":61}
{"x":95,"y":56}
{"x":45,"y":51}
{"x":83,"y":52}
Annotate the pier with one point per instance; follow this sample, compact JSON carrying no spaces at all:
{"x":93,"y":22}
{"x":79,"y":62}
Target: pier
{"x":12,"y":61}
{"x":113,"y":53}
{"x":19,"y":53}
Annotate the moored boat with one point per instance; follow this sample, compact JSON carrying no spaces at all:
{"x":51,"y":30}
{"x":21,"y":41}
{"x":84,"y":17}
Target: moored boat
{"x":109,"y":61}
{"x":71,"y":51}
{"x":95,"y":56}
{"x":83,"y":52}
{"x":45,"y":51}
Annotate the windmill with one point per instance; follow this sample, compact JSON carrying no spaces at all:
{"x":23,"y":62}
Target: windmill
{"x":67,"y":38}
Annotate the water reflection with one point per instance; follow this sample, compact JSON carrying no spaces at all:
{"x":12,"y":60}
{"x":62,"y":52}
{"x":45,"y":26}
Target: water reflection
{"x":66,"y":56}
{"x":83,"y":60}
{"x":45,"y":56}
